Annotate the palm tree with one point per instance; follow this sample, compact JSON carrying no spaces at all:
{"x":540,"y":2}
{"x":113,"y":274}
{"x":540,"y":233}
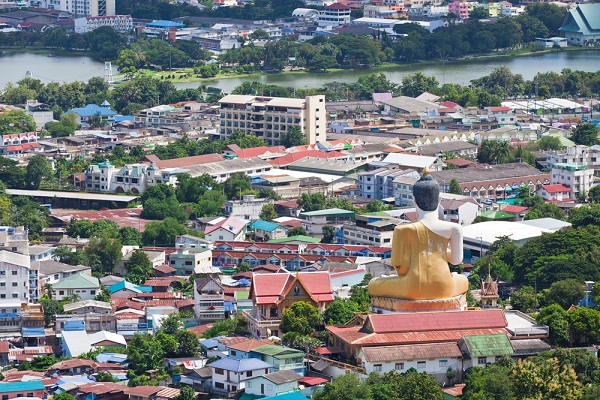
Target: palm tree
{"x":500,"y":150}
{"x":47,"y":288}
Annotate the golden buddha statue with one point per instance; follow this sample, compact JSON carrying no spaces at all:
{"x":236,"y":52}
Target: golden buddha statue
{"x":421,"y":252}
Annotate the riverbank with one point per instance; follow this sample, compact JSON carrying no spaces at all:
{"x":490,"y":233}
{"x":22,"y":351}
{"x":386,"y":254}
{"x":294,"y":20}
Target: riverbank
{"x":186,"y":75}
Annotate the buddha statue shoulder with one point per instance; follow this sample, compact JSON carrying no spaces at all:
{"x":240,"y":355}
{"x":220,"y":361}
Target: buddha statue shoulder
{"x":421,"y":252}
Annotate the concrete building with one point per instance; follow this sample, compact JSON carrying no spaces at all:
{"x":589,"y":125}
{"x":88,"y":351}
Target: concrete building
{"x":370,"y":231}
{"x":270,"y":118}
{"x":229,"y":229}
{"x":335,"y":15}
{"x":78,"y":8}
{"x":248,"y":208}
{"x":83,"y":285}
{"x":208,"y":300}
{"x":461,"y":210}
{"x":575,"y":155}
{"x":15,"y":283}
{"x":192,"y":260}
{"x":558,"y":193}
{"x":120,"y":23}
{"x":380,"y":183}
{"x":403,"y":195}
{"x":577,"y":177}
{"x":230,"y":375}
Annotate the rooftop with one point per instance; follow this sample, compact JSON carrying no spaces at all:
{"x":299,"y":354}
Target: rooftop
{"x":412,"y":352}
{"x":77,"y":281}
{"x":71,"y":195}
{"x":486,"y":173}
{"x":488,"y":345}
{"x":249,"y":364}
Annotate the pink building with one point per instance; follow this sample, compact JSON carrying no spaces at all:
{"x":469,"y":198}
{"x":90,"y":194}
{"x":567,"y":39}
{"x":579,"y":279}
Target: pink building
{"x":459,"y":8}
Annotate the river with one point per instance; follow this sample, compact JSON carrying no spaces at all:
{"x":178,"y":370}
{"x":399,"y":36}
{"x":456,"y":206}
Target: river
{"x":64,"y":68}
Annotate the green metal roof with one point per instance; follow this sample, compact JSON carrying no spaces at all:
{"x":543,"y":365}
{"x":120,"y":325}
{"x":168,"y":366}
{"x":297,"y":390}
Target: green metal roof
{"x":488,"y":345}
{"x":278,"y":351}
{"x":298,"y":238}
{"x":77,"y":281}
{"x":241,"y":294}
{"x":330,"y":212}
{"x":584,"y":18}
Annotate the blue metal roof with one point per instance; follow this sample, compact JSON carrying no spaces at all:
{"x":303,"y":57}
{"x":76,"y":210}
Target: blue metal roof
{"x":264,"y":225}
{"x":21,"y":386}
{"x":161,"y":23}
{"x":92,"y":109}
{"x":249,"y":364}
{"x":296,"y":395}
{"x":129,"y":286}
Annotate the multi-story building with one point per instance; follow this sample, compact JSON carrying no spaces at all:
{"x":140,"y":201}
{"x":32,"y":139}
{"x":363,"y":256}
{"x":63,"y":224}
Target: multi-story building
{"x":248,"y":208}
{"x":403,"y":195}
{"x":209,"y":300}
{"x":15,"y":280}
{"x":370,"y":231}
{"x":379,"y":183}
{"x":575,"y":155}
{"x":577,"y":177}
{"x":80,"y":284}
{"x":335,"y":15}
{"x":459,"y":8}
{"x":270,"y":118}
{"x":192,"y":260}
{"x":134,"y":178}
{"x":78,"y":8}
{"x":120,"y":23}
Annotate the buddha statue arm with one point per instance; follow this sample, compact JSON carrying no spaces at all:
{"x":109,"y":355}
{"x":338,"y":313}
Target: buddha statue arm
{"x":455,"y":246}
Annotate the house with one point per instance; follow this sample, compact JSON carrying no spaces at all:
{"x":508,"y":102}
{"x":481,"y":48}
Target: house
{"x":209,"y":300}
{"x":106,"y":339}
{"x":556,"y":193}
{"x":229,"y":375}
{"x":243,"y":350}
{"x":435,"y":359}
{"x":84,"y":114}
{"x":461,"y":211}
{"x":272,"y":294}
{"x":74,"y":367}
{"x":281,"y":358}
{"x":581,"y":26}
{"x":13,"y":390}
{"x":125,"y":289}
{"x":273,"y":384}
{"x":51,"y":271}
{"x":266,"y":230}
{"x":481,"y":350}
{"x":192,"y":260}
{"x":80,"y":284}
{"x":230,"y":229}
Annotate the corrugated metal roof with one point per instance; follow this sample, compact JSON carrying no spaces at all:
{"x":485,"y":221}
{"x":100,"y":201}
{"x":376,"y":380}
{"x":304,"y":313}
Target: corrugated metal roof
{"x":412,"y":352}
{"x":488,"y":345}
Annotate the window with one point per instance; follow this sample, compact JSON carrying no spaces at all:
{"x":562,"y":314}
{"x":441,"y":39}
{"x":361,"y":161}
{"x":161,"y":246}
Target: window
{"x":14,"y":284}
{"x":233,"y":352}
{"x":269,"y":387}
{"x":219,"y":385}
{"x":421,"y":365}
{"x":15,"y":296}
{"x":219,"y":371}
{"x":2,"y":284}
{"x":377,"y":367}
{"x":481,"y":360}
{"x":249,"y":374}
{"x":14,"y":273}
{"x":443,"y":363}
{"x":399,"y":366}
{"x":249,"y":385}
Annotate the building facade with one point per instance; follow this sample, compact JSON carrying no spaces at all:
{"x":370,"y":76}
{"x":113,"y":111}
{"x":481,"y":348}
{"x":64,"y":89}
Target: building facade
{"x":248,"y":208}
{"x":269,"y":118}
{"x":577,"y":177}
{"x":120,"y":23}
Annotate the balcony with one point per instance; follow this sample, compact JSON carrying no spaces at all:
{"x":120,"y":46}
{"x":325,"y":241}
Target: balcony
{"x":260,"y":320}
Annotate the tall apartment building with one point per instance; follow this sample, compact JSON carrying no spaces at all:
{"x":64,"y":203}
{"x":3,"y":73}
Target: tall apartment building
{"x":575,"y":155}
{"x":577,"y":177}
{"x":17,"y":280}
{"x":78,"y":8}
{"x":209,"y":300}
{"x":379,"y":183}
{"x":269,"y":118}
{"x":335,"y":15}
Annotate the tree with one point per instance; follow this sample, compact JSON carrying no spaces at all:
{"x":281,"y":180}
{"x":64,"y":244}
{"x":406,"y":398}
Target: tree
{"x":237,"y":185}
{"x":224,"y":328}
{"x":328,"y":234}
{"x":584,"y":324}
{"x":586,"y":215}
{"x":339,"y":312}
{"x":545,"y":210}
{"x":159,"y":202}
{"x":293,"y":137}
{"x":301,"y":317}
{"x":16,"y":121}
{"x":493,"y":383}
{"x":479,"y":13}
{"x":524,"y":299}
{"x":185,"y":393}
{"x":556,"y":318}
{"x":545,"y":379}
{"x":188,"y":344}
{"x":549,"y":143}
{"x":360,"y":295}
{"x":51,"y":308}
{"x":312,"y":202}
{"x":408,"y":386}
{"x":38,"y":170}
{"x":297,"y":231}
{"x":375,"y":206}
{"x":585,"y":133}
{"x":172,"y":325}
{"x":414,"y":85}
{"x":63,"y":396}
{"x":344,"y":387}
{"x":138,"y":267}
{"x":104,"y":376}
{"x":267,"y":212}
{"x":565,"y":293}
{"x":103,"y":295}
{"x":162,"y":233}
{"x":130,"y":236}
{"x":243,"y":267}
{"x":455,"y":187}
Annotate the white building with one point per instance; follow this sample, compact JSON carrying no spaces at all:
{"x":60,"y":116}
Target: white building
{"x":248,"y":208}
{"x":556,"y":193}
{"x":460,"y":209}
{"x":229,"y":375}
{"x":120,"y":23}
{"x":369,"y":232}
{"x":208,"y":300}
{"x":435,"y":359}
{"x":577,"y":177}
{"x":229,"y":229}
{"x":78,"y":8}
{"x":270,"y":118}
{"x":192,"y":260}
{"x":82,"y":285}
{"x":134,"y":178}
{"x":335,"y":15}
{"x":273,"y":384}
{"x":403,"y":195}
{"x":380,"y":183}
{"x":14,"y":277}
{"x":575,"y":155}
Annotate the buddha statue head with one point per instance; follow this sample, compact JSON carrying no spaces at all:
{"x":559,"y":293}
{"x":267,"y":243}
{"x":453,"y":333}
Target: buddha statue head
{"x":426,"y":192}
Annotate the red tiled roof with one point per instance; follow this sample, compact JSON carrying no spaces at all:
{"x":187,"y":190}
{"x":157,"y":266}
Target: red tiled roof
{"x":460,"y":162}
{"x":188,"y":161}
{"x":558,"y":188}
{"x":143,"y":390}
{"x":184,"y":303}
{"x":200,"y":329}
{"x":498,"y":109}
{"x":16,"y":376}
{"x":435,"y":321}
{"x":259,"y":151}
{"x":455,"y":390}
{"x":99,"y":388}
{"x":68,"y":364}
{"x":337,"y":6}
{"x":156,"y":295}
{"x":514,"y":209}
{"x":450,"y":104}
{"x":122,"y":216}
{"x":165,"y":269}
{"x":157,"y":282}
{"x":298,"y":155}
